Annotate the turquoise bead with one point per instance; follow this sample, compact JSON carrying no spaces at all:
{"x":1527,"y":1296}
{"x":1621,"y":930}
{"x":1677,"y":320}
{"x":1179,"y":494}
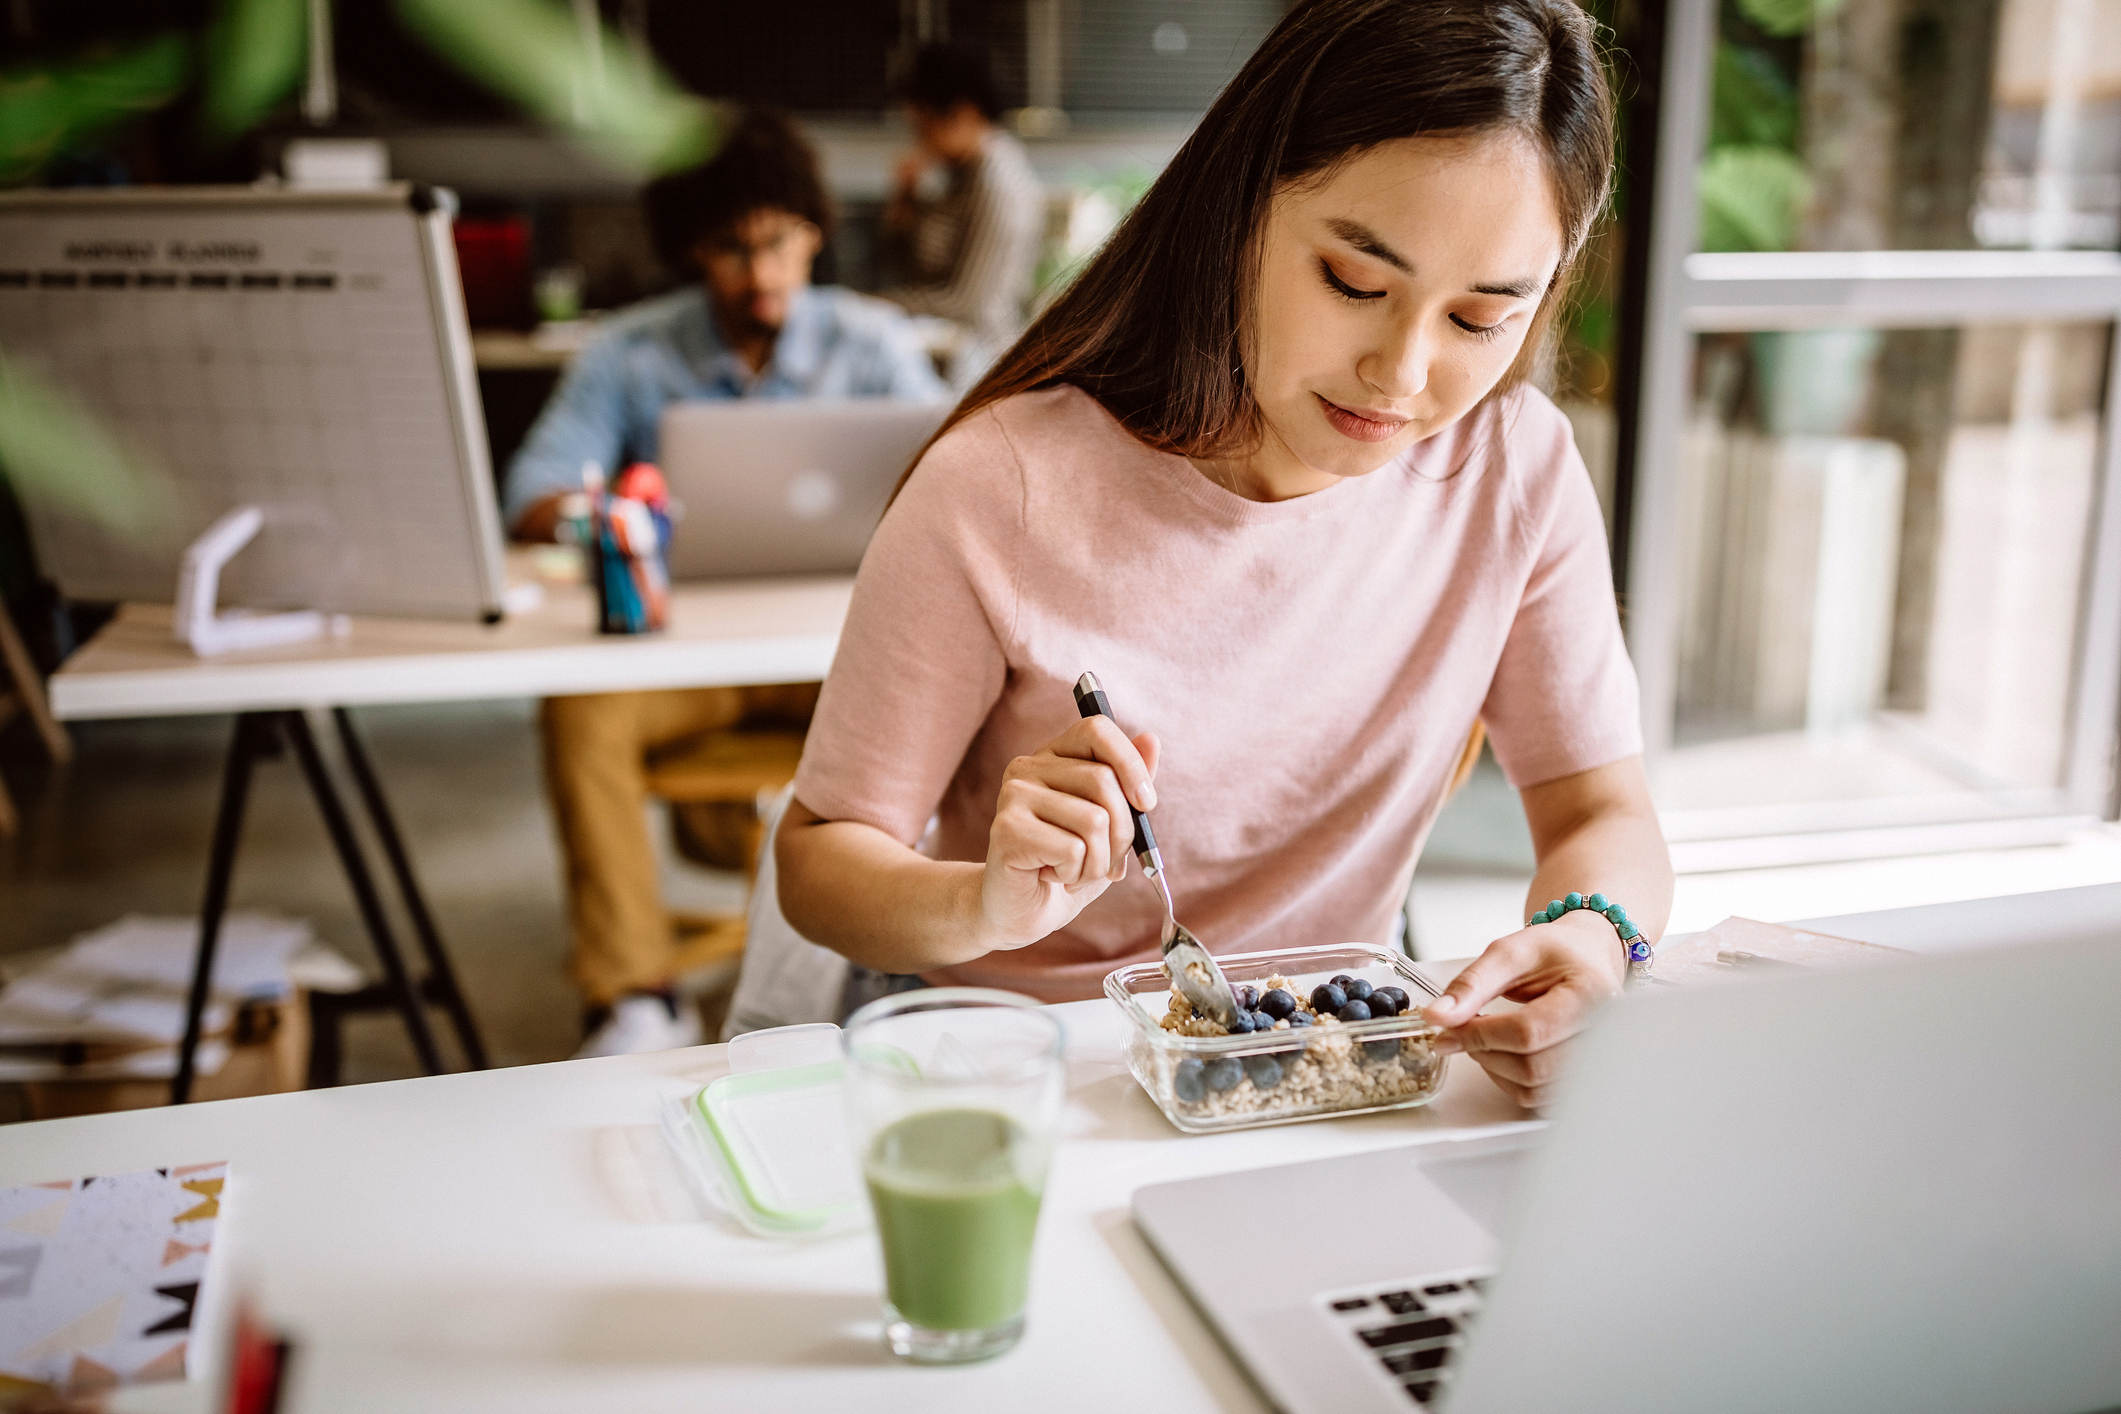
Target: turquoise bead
{"x":1600,"y":903}
{"x":1616,"y":914}
{"x":1556,"y":909}
{"x":1573,"y":901}
{"x":1535,"y":920}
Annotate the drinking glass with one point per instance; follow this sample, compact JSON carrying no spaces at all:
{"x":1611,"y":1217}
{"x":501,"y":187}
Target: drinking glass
{"x":953,"y":1103}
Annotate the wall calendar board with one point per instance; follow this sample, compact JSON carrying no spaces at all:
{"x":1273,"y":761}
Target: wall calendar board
{"x":305,"y":352}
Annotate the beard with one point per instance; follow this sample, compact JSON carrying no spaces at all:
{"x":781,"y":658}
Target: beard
{"x":741,"y":322}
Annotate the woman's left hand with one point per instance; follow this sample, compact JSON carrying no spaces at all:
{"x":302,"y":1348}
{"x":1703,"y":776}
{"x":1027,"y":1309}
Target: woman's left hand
{"x":1561,"y":971}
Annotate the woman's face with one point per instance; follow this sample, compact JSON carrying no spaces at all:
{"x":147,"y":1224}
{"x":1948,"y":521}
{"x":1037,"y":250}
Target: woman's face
{"x":1392,"y":296}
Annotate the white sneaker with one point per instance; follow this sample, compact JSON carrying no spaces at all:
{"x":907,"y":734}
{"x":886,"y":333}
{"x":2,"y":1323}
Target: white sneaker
{"x":639,"y":1024}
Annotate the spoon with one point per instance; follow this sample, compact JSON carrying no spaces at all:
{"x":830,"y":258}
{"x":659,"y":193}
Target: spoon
{"x":1192,"y":970}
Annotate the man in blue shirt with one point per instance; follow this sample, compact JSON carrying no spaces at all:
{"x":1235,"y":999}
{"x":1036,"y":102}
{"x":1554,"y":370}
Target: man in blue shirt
{"x":751,"y":221}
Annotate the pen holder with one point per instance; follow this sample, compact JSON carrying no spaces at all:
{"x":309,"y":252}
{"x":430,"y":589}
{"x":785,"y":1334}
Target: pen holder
{"x":625,"y":557}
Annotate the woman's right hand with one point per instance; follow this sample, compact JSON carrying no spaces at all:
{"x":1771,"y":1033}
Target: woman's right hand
{"x":1061,"y":831}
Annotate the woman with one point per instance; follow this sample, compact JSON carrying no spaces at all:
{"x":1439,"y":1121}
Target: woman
{"x":1271,"y":470}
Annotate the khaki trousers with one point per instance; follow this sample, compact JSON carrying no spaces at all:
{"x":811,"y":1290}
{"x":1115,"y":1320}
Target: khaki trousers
{"x":597,"y":751}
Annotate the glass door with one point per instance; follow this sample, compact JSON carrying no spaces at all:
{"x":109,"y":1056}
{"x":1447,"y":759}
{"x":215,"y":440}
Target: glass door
{"x":1874,"y":580}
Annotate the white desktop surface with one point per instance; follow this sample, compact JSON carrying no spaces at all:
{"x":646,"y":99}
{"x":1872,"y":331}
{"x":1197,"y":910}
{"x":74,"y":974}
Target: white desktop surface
{"x":721,"y":634}
{"x":509,"y":1240}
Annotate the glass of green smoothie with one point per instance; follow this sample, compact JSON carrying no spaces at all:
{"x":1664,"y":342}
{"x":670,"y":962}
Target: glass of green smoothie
{"x":953,"y":1102}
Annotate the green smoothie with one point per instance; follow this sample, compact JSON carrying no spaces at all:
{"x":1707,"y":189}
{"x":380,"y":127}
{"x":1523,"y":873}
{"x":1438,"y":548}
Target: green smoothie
{"x":955,"y":1217}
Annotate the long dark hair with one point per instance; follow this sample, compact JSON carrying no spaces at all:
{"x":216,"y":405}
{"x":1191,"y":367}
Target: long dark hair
{"x":1154,"y":326}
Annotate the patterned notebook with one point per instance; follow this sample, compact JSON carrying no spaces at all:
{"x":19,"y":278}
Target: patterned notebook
{"x":99,"y":1277}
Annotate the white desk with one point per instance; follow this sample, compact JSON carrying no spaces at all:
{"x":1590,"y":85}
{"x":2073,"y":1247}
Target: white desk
{"x":737,"y":633}
{"x":511,"y":1241}
{"x":507,"y":1240}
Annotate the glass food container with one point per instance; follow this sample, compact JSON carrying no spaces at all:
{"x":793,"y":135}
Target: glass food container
{"x":1290,"y":1073}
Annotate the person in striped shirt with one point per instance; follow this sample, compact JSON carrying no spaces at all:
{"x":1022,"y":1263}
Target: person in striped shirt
{"x":964,"y":253}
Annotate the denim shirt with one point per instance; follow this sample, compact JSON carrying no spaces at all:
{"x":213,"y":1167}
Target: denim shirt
{"x":609,"y":407}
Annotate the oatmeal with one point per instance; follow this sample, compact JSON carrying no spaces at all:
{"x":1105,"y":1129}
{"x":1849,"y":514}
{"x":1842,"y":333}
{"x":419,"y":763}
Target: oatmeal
{"x":1305,"y":1061}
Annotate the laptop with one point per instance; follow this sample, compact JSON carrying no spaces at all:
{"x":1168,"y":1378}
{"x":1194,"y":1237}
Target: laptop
{"x":785,"y":487}
{"x":1896,"y":1189}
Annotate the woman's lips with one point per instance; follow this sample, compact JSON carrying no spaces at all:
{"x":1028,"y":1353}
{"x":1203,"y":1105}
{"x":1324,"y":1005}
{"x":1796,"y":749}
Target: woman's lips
{"x":1361,"y":426}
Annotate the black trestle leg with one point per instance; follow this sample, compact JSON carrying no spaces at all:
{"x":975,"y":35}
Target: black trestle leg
{"x":364,"y":889}
{"x":253,"y":737}
{"x":441,"y":977}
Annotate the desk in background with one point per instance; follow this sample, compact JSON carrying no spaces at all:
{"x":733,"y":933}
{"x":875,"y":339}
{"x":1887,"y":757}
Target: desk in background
{"x":730,"y":634}
{"x":736,"y":633}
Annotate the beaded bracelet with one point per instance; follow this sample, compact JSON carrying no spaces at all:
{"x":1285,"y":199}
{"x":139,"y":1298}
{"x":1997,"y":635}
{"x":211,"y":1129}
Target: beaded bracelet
{"x":1634,"y":947}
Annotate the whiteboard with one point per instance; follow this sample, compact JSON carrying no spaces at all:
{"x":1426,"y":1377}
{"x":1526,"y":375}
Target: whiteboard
{"x":305,"y":352}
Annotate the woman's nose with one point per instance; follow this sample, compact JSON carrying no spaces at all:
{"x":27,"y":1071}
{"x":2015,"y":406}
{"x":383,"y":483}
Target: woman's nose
{"x":1400,"y":369}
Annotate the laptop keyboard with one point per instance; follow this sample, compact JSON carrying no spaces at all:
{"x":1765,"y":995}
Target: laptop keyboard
{"x":1414,"y":1330}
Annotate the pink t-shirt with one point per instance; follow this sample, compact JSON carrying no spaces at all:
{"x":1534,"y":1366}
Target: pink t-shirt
{"x":1312,"y":667}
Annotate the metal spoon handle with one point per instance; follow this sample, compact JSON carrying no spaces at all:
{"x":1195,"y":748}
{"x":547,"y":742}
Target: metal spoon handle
{"x":1192,"y":968}
{"x":1090,"y":700}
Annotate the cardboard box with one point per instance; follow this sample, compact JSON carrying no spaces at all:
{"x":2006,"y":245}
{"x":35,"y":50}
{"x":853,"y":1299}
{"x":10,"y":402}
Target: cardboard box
{"x":270,"y":1056}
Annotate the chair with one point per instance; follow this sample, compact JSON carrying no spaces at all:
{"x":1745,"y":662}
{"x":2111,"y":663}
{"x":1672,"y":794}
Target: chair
{"x":727,"y":770}
{"x":22,"y":691}
{"x":1468,"y":758}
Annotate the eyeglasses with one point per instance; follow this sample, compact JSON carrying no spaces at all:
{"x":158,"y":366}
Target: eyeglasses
{"x":791,"y":243}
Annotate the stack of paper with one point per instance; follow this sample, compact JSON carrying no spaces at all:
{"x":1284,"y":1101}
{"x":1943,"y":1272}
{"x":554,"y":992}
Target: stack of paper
{"x":102,"y":1279}
{"x":1739,"y":948}
{"x":111,"y":1004}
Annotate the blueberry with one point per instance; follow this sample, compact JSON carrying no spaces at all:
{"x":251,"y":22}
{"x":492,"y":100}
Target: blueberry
{"x":1380,"y":1002}
{"x":1299,"y":1018}
{"x":1341,"y":980}
{"x":1354,"y":1011}
{"x":1358,"y":990}
{"x":1277,"y":1003}
{"x":1400,"y":1000}
{"x":1327,"y":997}
{"x":1222,"y":1074}
{"x":1380,"y":1052}
{"x":1186,"y":1081}
{"x":1262,"y":1022}
{"x":1264,"y":1070}
{"x":1247,"y":996}
{"x":1242,"y":1024}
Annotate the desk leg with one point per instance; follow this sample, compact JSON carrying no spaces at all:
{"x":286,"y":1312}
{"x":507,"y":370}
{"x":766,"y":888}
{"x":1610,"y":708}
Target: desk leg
{"x":441,"y":977}
{"x":253,"y":738}
{"x":364,"y":888}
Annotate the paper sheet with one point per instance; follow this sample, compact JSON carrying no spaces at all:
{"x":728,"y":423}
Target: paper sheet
{"x":250,"y":955}
{"x":128,"y":982}
{"x":1745,"y":947}
{"x":100,"y":1278}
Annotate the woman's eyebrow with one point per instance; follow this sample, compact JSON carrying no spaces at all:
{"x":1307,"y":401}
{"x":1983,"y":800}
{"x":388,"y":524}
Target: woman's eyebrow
{"x":1516,"y":289}
{"x":1356,"y":234}
{"x":1369,"y":243}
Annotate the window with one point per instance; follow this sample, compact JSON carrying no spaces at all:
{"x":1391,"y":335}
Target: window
{"x":1874,"y":581}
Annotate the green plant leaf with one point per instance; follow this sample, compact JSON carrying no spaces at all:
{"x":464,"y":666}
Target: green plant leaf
{"x":1785,"y":18}
{"x":255,"y":55}
{"x":46,"y":109}
{"x":532,"y":52}
{"x":1751,"y":198}
{"x":58,"y":453}
{"x":1755,"y":103}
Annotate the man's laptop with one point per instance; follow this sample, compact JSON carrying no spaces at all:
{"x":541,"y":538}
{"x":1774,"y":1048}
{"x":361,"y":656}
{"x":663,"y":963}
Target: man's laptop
{"x":785,"y":487}
{"x":1896,"y":1189}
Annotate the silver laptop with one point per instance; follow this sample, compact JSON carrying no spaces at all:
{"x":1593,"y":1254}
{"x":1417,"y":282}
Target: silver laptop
{"x":1890,"y":1190}
{"x":785,"y":487}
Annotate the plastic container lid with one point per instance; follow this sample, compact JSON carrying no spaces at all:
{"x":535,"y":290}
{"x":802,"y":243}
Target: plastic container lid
{"x":767,"y":1143}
